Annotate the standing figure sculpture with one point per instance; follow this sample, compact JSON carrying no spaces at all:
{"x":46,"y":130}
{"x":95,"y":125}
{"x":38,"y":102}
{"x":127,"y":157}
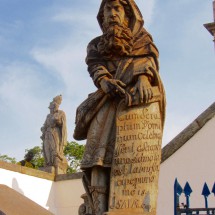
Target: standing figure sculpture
{"x":54,"y":136}
{"x":123,"y":63}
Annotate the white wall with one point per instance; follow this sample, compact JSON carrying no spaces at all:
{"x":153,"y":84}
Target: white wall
{"x":68,"y":196}
{"x":61,"y":198}
{"x":193,"y":162}
{"x":37,"y":189}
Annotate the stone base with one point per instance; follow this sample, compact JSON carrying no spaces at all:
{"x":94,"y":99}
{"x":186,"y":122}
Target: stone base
{"x":60,"y":171}
{"x":49,"y":169}
{"x":61,"y":168}
{"x":53,"y":170}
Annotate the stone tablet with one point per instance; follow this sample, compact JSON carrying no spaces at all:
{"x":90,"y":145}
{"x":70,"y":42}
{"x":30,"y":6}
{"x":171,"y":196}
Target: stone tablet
{"x":136,"y":160}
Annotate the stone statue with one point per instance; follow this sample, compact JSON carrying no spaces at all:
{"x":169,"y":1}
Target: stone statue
{"x":54,"y":136}
{"x":123,"y":64}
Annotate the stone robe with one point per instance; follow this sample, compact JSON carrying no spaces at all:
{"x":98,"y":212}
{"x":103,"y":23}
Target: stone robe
{"x":96,"y":116}
{"x":54,"y":137}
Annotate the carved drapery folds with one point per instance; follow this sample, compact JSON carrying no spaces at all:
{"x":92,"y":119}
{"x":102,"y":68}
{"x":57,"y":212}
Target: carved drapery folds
{"x":123,"y":120}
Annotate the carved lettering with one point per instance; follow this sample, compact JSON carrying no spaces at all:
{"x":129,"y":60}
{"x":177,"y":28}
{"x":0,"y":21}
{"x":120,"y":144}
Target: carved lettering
{"x":134,"y":181}
{"x":128,"y":127}
{"x":146,"y":124}
{"x":122,"y":149}
{"x":153,"y":135}
{"x":149,"y":147}
{"x":136,"y":116}
{"x":136,"y":159}
{"x":128,"y":203}
{"x":128,"y":192}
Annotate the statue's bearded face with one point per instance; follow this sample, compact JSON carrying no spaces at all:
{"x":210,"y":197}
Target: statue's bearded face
{"x":114,"y":13}
{"x":117,"y":39}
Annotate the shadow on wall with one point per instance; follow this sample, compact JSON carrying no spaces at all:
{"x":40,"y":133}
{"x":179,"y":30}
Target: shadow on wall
{"x":16,"y":187}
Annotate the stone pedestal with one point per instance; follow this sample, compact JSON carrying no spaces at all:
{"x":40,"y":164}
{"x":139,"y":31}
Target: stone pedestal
{"x":49,"y":169}
{"x":136,"y":161}
{"x":61,"y":166}
{"x":53,"y":170}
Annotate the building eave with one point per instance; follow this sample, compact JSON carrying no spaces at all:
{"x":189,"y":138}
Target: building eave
{"x":187,"y":133}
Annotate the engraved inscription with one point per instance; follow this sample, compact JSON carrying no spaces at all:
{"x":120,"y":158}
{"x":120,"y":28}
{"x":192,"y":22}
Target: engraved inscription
{"x":136,"y":159}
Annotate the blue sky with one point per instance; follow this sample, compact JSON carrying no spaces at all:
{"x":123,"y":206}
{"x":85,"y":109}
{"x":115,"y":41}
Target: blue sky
{"x":43,"y":48}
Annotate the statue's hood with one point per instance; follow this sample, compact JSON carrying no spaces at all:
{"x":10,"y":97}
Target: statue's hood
{"x":136,"y":22}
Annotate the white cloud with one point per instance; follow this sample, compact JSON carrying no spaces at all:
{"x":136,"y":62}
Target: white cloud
{"x":22,"y":107}
{"x":78,"y":19}
{"x":66,"y":62}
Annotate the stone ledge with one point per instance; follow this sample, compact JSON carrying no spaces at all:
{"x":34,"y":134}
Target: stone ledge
{"x":71,"y":176}
{"x":26,"y":171}
{"x":39,"y":173}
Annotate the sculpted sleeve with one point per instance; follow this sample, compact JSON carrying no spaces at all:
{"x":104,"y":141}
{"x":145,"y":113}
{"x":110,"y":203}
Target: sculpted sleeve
{"x":96,"y":65}
{"x":146,"y":56}
{"x":145,"y":66}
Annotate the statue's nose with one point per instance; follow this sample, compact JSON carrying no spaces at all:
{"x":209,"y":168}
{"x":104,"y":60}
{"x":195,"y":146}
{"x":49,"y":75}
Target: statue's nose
{"x":112,"y":16}
{"x":112,"y":12}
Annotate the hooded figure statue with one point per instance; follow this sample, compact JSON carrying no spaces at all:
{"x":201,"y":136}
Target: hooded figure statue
{"x":123,"y":64}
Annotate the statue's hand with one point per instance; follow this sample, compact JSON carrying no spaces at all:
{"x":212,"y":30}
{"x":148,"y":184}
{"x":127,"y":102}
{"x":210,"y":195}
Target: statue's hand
{"x":112,"y":86}
{"x":144,"y":89}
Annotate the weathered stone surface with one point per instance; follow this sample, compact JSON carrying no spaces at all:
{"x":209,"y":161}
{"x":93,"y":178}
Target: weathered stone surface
{"x":49,"y":169}
{"x":63,"y":177}
{"x":10,"y":166}
{"x":26,"y":170}
{"x":54,"y":136}
{"x":206,"y":115}
{"x":136,"y":161}
{"x":123,"y":63}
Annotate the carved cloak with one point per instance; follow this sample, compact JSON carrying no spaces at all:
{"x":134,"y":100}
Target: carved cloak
{"x":95,"y":117}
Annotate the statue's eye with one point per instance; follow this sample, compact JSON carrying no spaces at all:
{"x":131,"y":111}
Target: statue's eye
{"x":107,"y":8}
{"x":117,"y":8}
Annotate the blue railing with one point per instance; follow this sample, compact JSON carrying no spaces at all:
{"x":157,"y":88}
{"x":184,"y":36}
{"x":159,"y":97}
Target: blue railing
{"x":181,"y":208}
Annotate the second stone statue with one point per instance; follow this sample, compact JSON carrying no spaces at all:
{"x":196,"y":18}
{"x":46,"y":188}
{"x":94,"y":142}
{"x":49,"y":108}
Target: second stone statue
{"x":54,"y":136}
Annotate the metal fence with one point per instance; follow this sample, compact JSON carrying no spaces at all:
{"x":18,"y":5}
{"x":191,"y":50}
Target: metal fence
{"x":182,"y":208}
